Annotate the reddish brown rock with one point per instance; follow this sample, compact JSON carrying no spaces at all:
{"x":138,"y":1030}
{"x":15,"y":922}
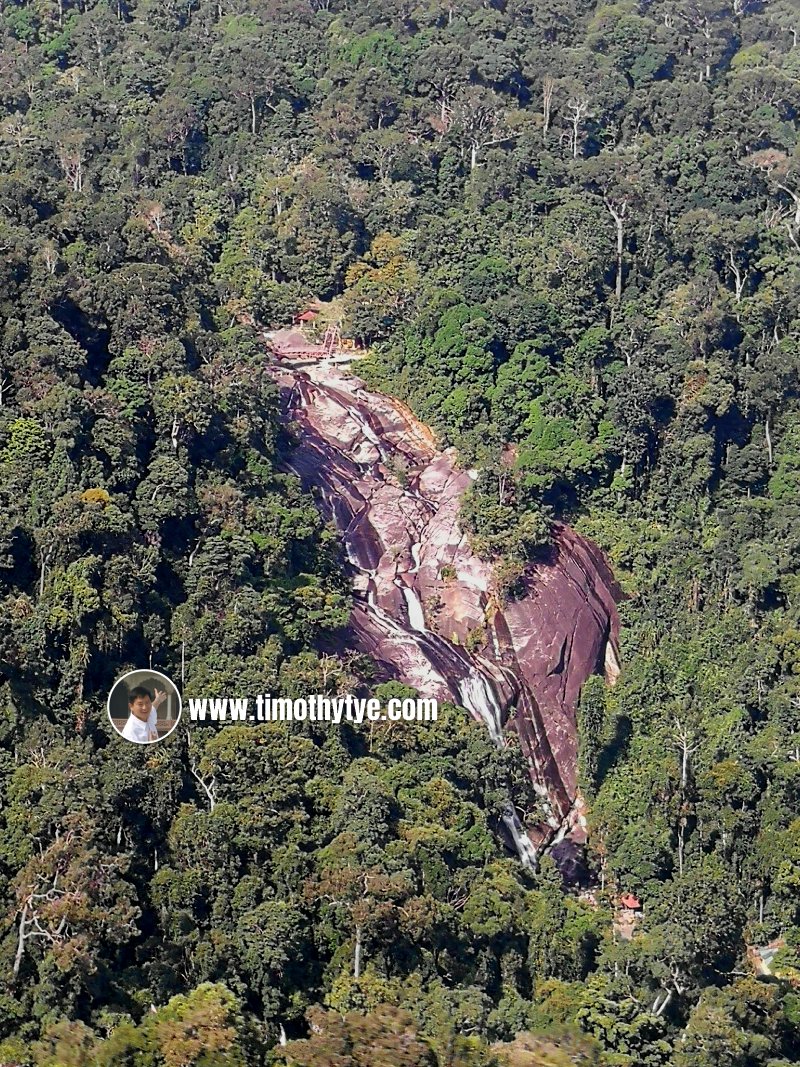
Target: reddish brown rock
{"x":421,"y":591}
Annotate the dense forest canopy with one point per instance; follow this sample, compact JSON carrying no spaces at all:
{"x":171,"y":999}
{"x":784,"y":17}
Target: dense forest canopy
{"x":569,"y":234}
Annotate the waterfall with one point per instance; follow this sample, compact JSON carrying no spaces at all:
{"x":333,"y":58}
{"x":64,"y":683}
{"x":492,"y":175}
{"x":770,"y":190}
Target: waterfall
{"x":416,"y":616}
{"x":391,"y":525}
{"x":478,"y":697}
{"x":415,"y":555}
{"x":522,"y":843}
{"x":351,"y":555}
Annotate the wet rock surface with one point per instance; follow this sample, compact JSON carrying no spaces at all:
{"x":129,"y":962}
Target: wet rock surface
{"x":426,"y":607}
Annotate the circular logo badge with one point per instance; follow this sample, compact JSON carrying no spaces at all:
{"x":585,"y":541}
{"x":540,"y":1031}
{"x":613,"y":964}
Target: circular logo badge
{"x":144,"y":706}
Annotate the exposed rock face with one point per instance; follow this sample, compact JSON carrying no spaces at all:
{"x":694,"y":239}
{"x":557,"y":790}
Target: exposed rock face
{"x":421,"y":592}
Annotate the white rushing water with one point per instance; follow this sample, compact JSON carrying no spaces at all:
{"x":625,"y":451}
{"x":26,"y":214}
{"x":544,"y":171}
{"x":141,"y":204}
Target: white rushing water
{"x":392,"y":625}
{"x":369,"y":434}
{"x":385,"y":618}
{"x":416,"y":616}
{"x":478,"y":697}
{"x":351,"y":555}
{"x":416,"y":548}
{"x":522,"y":843}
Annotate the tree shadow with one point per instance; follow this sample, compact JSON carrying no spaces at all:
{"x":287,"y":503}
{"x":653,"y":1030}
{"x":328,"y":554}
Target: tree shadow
{"x":615,"y":747}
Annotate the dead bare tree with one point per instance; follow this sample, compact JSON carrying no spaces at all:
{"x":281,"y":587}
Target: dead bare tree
{"x":208,"y":785}
{"x":579,"y":109}
{"x":740,"y":276}
{"x":684,"y":740}
{"x":70,"y":153}
{"x":548,"y":89}
{"x":619,"y":212}
{"x":481,"y":117}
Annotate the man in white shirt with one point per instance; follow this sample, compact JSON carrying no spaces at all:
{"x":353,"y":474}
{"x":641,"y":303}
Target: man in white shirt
{"x":142,"y":718}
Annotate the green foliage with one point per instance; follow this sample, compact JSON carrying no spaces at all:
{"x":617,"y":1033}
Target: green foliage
{"x":570,"y":232}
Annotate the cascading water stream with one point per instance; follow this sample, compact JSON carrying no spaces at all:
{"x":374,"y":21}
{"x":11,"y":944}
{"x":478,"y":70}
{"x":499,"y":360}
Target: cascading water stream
{"x":395,"y":500}
{"x":415,"y":549}
{"x":478,"y":697}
